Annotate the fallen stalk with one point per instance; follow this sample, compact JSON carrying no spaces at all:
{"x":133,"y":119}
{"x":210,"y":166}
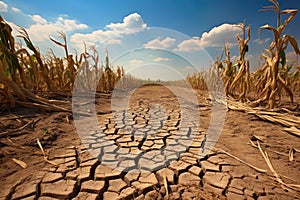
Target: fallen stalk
{"x":242,"y":161}
{"x":250,"y":165}
{"x":17,"y":130}
{"x":284,"y":186}
{"x":45,"y":156}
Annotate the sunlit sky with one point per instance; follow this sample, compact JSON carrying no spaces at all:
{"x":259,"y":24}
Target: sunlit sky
{"x":162,"y":39}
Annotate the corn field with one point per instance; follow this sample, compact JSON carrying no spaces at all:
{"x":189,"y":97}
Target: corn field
{"x":30,"y":79}
{"x":269,"y":81}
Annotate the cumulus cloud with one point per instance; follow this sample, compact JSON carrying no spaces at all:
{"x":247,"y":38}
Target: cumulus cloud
{"x":217,"y":36}
{"x":249,"y":57}
{"x":188,"y":67}
{"x":234,"y":58}
{"x":189,"y":45}
{"x":3,"y":6}
{"x":16,"y":9}
{"x":135,"y":62}
{"x":132,"y":23}
{"x":43,"y":28}
{"x":39,"y":19}
{"x":291,"y":56}
{"x":261,"y":41}
{"x":159,"y":59}
{"x":113,"y":41}
{"x":160,"y":44}
{"x":98,"y":35}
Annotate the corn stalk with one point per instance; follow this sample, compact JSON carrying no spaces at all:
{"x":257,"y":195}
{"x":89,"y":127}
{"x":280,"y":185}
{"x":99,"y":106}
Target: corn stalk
{"x":23,"y":75}
{"x":228,"y":72}
{"x":275,"y":57}
{"x":242,"y":77}
{"x":41,"y":68}
{"x":10,"y":69}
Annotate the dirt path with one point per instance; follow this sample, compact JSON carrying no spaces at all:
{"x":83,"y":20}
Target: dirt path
{"x":144,"y":152}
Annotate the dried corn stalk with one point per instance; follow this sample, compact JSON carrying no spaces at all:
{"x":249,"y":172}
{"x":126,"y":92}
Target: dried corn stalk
{"x":271,"y":81}
{"x":242,"y":77}
{"x":24,"y":72}
{"x":228,"y":73}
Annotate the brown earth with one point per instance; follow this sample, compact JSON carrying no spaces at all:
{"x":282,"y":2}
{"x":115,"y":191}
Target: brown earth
{"x":155,"y":116}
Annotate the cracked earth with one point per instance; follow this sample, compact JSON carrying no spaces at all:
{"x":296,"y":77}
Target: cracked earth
{"x":157,"y":148}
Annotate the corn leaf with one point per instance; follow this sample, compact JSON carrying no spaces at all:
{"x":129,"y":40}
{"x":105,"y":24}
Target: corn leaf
{"x":283,"y":25}
{"x":56,"y":42}
{"x":267,"y":26}
{"x":289,"y":11}
{"x":276,"y":4}
{"x":286,"y":88}
{"x":294,"y":43}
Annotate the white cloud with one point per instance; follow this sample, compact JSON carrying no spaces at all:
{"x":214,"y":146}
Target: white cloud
{"x":98,"y":35}
{"x":217,"y":36}
{"x":113,"y":41}
{"x":132,"y":23}
{"x":234,"y":58}
{"x":39,"y":19}
{"x":189,"y":45}
{"x":160,"y":44}
{"x":250,"y":57}
{"x":188,"y":68}
{"x":16,"y":9}
{"x":43,"y":28}
{"x":261,"y":41}
{"x":40,"y":28}
{"x":291,"y":56}
{"x":159,"y":59}
{"x":135,"y":63}
{"x":3,"y":7}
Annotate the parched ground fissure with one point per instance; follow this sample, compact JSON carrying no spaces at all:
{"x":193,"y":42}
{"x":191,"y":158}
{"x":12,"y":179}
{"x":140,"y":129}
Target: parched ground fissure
{"x":151,"y":124}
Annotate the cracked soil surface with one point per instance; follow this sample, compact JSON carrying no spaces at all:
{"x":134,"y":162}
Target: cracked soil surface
{"x":146,"y":152}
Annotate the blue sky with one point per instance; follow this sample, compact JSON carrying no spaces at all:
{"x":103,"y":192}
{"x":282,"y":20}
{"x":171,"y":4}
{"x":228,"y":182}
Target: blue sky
{"x":186,"y":37}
